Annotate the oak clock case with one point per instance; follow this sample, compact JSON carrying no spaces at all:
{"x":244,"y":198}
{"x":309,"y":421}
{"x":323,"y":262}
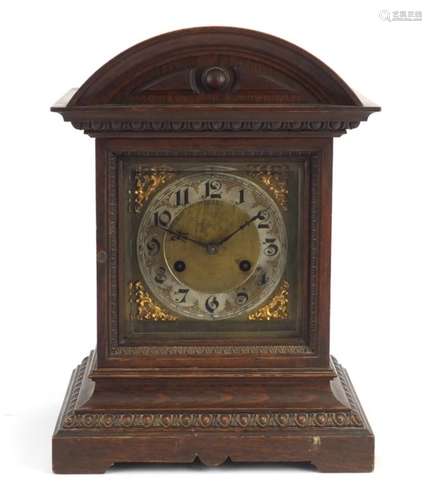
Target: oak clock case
{"x":213,"y":179}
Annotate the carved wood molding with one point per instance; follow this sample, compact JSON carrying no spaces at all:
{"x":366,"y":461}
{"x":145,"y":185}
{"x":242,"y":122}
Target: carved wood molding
{"x":212,"y":420}
{"x":235,"y":421}
{"x":96,"y":126}
{"x":116,"y":350}
{"x":314,"y":249}
{"x":206,"y":350}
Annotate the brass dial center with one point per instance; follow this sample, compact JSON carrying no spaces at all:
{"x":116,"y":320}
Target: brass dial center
{"x":211,"y":267}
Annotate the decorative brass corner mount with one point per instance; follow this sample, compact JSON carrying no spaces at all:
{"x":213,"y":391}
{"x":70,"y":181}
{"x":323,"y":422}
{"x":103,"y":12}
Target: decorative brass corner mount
{"x":276,"y":183}
{"x":143,"y":307}
{"x":145,"y":184}
{"x":277,"y":308}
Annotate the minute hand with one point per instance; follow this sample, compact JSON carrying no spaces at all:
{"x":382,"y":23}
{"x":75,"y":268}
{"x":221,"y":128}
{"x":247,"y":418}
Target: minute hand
{"x":255,"y":217}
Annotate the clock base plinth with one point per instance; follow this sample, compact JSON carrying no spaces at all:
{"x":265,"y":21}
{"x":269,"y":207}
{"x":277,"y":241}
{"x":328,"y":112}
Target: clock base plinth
{"x":91,"y":442}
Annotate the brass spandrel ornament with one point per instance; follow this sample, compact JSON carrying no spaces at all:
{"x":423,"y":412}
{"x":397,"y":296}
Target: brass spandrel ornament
{"x":144,"y":307}
{"x":277,"y":308}
{"x":275,"y":181}
{"x":145,"y":184}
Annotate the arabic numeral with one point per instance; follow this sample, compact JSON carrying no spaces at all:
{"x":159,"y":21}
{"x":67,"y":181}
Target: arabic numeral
{"x":213,"y":188}
{"x":241,"y":197}
{"x":162,"y":218}
{"x":241,"y":298}
{"x":182,"y":197}
{"x":181,"y":295}
{"x":264,"y":217}
{"x":211,"y":304}
{"x":153,"y":247}
{"x":271,"y":248}
{"x":160,"y":276}
{"x":262,"y":277}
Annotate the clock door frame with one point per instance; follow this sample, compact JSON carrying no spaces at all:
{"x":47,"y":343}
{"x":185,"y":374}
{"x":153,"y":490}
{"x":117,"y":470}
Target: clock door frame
{"x":312,"y":353}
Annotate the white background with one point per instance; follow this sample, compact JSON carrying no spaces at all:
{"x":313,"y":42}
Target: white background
{"x":381,"y":288}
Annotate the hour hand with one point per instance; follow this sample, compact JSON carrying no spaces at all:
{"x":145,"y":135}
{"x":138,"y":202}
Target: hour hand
{"x":182,"y":236}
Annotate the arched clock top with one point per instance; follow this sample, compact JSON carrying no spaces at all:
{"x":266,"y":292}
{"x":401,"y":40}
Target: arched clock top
{"x":214,"y":65}
{"x":169,"y":81}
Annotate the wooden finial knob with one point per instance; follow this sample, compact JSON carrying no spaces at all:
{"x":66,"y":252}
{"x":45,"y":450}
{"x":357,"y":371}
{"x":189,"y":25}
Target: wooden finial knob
{"x":215,"y":78}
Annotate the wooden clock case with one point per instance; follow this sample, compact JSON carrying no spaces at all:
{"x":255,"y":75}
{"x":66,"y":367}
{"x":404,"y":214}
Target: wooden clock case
{"x":206,"y":94}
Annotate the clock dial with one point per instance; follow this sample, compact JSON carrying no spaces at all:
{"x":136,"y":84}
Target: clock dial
{"x":212,"y":246}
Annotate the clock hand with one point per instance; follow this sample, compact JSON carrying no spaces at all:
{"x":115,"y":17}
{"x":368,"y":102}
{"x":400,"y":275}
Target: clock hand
{"x":259,"y":215}
{"x":182,"y":236}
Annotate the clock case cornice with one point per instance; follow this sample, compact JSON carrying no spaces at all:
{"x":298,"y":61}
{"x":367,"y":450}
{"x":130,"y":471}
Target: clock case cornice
{"x":214,"y":81}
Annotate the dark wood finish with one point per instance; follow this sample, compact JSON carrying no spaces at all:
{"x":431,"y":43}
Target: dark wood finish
{"x":155,"y":88}
{"x":214,"y":94}
{"x":317,"y":152}
{"x":332,"y":434}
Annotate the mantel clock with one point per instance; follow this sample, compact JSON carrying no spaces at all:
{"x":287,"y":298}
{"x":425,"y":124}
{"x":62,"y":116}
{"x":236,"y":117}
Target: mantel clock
{"x":213,"y":176}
